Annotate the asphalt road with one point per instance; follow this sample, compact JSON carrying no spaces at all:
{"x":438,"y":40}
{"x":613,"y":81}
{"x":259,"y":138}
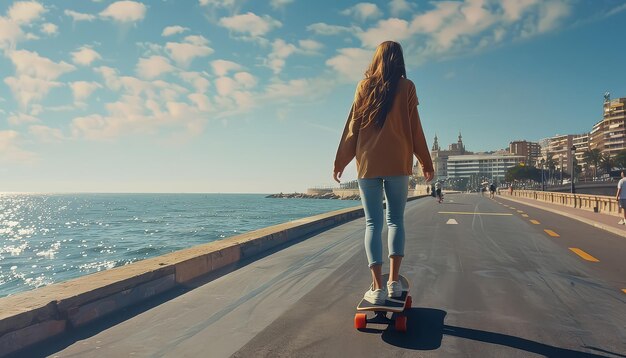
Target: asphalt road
{"x":485,"y":282}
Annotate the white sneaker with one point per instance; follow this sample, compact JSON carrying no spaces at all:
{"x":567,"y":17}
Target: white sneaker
{"x":621,"y":222}
{"x":375,"y":297}
{"x":394,"y":288}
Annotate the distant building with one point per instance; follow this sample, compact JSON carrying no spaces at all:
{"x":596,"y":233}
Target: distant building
{"x":609,"y":134}
{"x":581,"y":142}
{"x":440,"y":157}
{"x":558,"y":148}
{"x":481,"y":166}
{"x":531,"y":151}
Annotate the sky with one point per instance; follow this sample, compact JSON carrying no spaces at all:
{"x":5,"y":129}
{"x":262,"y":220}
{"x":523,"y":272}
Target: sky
{"x":238,"y":96}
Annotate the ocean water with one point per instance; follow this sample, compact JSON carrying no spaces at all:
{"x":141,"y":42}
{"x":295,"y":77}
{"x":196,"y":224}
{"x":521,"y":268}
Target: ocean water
{"x":52,"y":238}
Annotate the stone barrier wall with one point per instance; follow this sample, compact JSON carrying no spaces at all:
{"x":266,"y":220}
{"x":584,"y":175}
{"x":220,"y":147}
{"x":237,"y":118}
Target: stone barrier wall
{"x":596,"y":203}
{"x":34,"y":316}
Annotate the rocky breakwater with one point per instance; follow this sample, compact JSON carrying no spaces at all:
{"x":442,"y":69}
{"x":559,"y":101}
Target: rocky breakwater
{"x":313,"y":196}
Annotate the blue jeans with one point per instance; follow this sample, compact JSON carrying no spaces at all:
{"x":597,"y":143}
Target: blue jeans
{"x":395,"y":189}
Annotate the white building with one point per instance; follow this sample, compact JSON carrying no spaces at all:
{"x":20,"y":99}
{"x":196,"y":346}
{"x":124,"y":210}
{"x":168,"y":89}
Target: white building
{"x":482,"y":166}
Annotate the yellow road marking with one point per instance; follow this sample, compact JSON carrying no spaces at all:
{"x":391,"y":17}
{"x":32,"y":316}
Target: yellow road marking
{"x":520,"y":211}
{"x":525,"y":215}
{"x":473,"y":213}
{"x":584,"y":255}
{"x":512,"y":208}
{"x":535,"y":222}
{"x":551,"y":233}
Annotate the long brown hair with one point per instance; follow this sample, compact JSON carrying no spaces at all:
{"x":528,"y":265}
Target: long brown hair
{"x":378,"y":89}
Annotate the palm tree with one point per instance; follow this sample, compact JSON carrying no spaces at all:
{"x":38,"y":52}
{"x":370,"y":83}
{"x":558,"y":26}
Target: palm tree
{"x":606,"y":163}
{"x":592,"y":158}
{"x":620,"y":159}
{"x":551,"y":165}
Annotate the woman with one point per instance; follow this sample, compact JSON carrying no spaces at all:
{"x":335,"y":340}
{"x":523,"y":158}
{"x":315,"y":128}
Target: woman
{"x":383,"y":132}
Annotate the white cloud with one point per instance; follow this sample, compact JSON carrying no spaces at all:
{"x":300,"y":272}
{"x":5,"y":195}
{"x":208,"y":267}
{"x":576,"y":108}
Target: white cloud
{"x":225,"y":86}
{"x":16,"y":119}
{"x":85,"y":56}
{"x":551,"y":13}
{"x":434,"y":19}
{"x":136,"y":115}
{"x":514,"y":9}
{"x":294,"y":88}
{"x":145,"y":106}
{"x":10,"y":33}
{"x":616,"y":10}
{"x":363,"y":11}
{"x":185,"y":52}
{"x":280,"y":51}
{"x":49,"y":29}
{"x":34,"y":75}
{"x":246,"y":79}
{"x":153,"y":67}
{"x":27,"y":89}
{"x":83,"y":89}
{"x":201,"y":101}
{"x":279,"y":4}
{"x":218,"y":3}
{"x":400,"y":7}
{"x":110,"y":76}
{"x":197,"y":80}
{"x":46,"y":134}
{"x":250,"y":24}
{"x":125,"y":11}
{"x":173,"y":30}
{"x":24,"y":12}
{"x":310,"y":45}
{"x":351,"y":62}
{"x":222,"y":67}
{"x":321,"y":28}
{"x":392,"y":29}
{"x":77,"y":16}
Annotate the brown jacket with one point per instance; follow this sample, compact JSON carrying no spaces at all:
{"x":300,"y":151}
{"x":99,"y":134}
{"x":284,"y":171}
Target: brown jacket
{"x":386,"y":151}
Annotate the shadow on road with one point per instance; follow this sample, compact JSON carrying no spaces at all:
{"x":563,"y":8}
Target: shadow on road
{"x":426,"y":329}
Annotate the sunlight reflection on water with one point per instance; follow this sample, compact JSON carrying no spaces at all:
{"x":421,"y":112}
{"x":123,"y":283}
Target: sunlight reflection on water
{"x":51,"y":238}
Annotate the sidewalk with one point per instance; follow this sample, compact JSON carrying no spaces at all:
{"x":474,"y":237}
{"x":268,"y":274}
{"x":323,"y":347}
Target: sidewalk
{"x":601,"y":221}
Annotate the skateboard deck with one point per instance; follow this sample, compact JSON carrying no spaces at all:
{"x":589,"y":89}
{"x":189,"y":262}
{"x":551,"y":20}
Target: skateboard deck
{"x":391,"y":304}
{"x":396,"y":306}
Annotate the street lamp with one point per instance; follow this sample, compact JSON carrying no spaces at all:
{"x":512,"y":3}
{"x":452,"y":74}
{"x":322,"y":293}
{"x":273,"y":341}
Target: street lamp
{"x":573,"y":151}
{"x":561,"y":167}
{"x":543,"y":185}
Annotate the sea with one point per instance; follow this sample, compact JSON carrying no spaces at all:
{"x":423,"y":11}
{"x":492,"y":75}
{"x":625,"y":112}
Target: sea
{"x":49,"y":238}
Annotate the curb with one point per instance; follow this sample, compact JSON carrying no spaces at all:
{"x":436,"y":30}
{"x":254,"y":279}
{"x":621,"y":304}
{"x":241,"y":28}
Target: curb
{"x":604,"y":227}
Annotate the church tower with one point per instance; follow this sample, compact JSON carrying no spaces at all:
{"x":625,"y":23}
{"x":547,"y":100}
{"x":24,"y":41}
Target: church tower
{"x":460,"y":145}
{"x":435,"y":144}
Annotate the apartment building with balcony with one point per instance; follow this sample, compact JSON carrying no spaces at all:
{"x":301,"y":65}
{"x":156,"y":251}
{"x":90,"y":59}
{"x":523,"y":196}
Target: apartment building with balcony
{"x":558,"y":148}
{"x":609,"y":134}
{"x":531,"y":151}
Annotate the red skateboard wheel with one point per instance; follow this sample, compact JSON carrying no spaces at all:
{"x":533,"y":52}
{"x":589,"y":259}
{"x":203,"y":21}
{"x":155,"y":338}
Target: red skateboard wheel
{"x":401,"y":323}
{"x":360,"y":320}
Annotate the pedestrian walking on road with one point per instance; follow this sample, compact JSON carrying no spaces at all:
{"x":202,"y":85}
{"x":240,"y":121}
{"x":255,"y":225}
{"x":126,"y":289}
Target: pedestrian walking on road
{"x":438,"y":191}
{"x":621,"y":198}
{"x":383,"y":132}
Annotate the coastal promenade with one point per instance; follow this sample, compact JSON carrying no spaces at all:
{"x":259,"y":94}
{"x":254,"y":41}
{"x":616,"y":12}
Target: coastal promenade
{"x":490,"y":278}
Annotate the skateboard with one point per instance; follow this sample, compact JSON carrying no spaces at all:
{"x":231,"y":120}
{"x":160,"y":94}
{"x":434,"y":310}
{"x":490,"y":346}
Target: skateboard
{"x":395,"y":306}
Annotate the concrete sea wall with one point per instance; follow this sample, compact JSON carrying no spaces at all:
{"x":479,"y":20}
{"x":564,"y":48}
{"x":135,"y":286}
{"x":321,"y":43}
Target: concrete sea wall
{"x":35,"y":316}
